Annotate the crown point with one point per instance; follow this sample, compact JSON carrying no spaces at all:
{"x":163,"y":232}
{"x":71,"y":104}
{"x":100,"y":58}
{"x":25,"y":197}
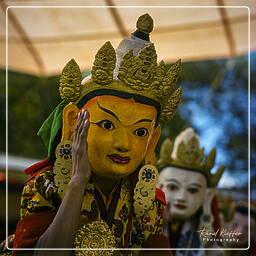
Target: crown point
{"x":104,"y":64}
{"x":71,"y":62}
{"x":145,"y":23}
{"x":70,"y":82}
{"x":107,"y":45}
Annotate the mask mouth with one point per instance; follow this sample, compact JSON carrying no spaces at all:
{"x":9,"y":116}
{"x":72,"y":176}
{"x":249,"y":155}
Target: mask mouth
{"x":180,"y":206}
{"x":119,"y":159}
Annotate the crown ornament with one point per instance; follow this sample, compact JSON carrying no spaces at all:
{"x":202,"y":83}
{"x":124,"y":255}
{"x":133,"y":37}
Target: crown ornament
{"x":104,"y":65}
{"x":145,"y":23}
{"x":137,"y":74}
{"x":70,"y":82}
{"x":186,"y":153}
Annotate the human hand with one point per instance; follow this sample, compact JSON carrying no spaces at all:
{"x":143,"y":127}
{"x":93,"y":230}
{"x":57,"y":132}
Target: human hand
{"x":81,"y":170}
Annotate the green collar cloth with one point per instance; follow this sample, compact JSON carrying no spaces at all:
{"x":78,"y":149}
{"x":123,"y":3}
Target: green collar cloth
{"x":51,"y":127}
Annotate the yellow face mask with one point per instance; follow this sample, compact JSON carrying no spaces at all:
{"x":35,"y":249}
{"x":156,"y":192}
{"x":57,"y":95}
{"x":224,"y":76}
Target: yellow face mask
{"x":119,"y":135}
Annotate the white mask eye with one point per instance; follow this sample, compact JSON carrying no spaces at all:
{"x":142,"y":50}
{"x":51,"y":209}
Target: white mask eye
{"x":172,"y":187}
{"x":193,"y":190}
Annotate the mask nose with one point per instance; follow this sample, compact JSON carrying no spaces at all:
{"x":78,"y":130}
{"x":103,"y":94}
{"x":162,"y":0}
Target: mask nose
{"x":181,"y":200}
{"x":181,"y":197}
{"x":122,"y":150}
{"x":121,"y":141}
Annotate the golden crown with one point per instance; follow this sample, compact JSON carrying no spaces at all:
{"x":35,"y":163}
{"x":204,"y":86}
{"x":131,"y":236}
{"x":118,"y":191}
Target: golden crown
{"x":140,"y":75}
{"x":190,"y":156}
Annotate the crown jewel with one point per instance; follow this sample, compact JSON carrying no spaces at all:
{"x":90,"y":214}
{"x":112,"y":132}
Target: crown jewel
{"x":186,"y":153}
{"x":142,"y":72}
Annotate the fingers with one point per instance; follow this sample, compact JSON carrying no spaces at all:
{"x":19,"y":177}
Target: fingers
{"x":81,"y":123}
{"x":84,"y":114}
{"x":78,"y":124}
{"x":84,"y":129}
{"x":81,"y":129}
{"x":85,"y":124}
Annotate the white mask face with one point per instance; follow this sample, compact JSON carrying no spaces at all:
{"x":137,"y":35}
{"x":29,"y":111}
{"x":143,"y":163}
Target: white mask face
{"x":184,"y":191}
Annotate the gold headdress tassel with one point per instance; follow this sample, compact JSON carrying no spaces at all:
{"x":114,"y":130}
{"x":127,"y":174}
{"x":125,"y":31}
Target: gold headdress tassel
{"x":63,"y":166}
{"x":144,"y":192}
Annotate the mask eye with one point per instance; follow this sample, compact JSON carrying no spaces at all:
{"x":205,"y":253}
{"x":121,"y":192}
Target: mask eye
{"x":106,"y":125}
{"x":193,"y":190}
{"x":172,"y":187}
{"x":141,"y":132}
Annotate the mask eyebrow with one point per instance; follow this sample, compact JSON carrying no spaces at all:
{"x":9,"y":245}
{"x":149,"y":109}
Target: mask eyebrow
{"x":144,"y":120}
{"x":108,"y":111}
{"x":174,"y":180}
{"x":195,"y":184}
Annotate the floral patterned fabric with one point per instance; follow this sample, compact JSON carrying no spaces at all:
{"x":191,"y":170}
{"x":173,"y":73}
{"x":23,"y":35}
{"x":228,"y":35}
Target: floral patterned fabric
{"x":39,"y":196}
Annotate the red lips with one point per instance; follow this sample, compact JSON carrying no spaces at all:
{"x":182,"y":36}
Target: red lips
{"x":180,"y":206}
{"x":119,"y":159}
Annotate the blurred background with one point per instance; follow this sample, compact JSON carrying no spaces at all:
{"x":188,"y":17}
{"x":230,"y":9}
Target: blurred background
{"x":212,"y":37}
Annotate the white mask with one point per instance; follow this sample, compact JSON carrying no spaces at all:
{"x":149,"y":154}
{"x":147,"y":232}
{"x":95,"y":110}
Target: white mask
{"x":184,"y":190}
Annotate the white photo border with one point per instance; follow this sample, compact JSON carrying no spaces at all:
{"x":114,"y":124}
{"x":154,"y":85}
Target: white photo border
{"x":130,"y":249}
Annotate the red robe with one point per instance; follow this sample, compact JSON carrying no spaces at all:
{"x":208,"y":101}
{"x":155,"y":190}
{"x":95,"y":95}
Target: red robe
{"x":30,"y":228}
